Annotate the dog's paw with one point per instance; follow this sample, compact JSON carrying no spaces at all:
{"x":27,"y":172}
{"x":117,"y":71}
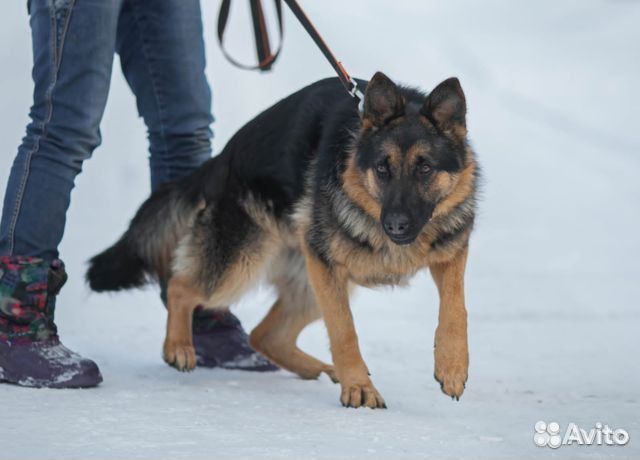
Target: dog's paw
{"x":331,"y":372}
{"x":451,"y":367}
{"x":361,"y":395}
{"x":451,"y":383}
{"x":313,"y":372}
{"x":180,"y":356}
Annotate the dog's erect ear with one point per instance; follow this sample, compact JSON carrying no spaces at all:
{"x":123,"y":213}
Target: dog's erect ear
{"x":446,"y":105}
{"x":382,"y":100}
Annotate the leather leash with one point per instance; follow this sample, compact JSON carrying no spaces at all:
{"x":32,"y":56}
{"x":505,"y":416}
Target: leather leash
{"x":266,"y":57}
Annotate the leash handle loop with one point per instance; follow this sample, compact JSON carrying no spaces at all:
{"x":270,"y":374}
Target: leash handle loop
{"x":266,"y":58}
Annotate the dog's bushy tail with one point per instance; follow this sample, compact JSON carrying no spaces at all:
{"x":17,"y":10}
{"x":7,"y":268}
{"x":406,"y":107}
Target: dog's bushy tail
{"x":145,"y":250}
{"x":118,"y":267}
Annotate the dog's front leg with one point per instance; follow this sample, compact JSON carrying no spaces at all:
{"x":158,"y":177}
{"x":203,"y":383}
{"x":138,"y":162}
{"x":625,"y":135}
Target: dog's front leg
{"x":451,"y":350}
{"x":330,"y":285}
{"x":182,"y":300}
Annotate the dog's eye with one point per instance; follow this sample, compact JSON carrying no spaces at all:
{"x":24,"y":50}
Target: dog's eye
{"x":382,"y":169}
{"x":424,"y":169}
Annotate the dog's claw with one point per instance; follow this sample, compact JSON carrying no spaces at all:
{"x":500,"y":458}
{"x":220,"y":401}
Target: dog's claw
{"x":331,"y":373}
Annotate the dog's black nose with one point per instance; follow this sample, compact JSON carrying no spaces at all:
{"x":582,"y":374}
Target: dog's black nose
{"x":396,"y":224}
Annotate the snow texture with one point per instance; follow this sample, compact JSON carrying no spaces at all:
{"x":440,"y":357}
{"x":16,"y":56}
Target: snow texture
{"x":552,"y":284}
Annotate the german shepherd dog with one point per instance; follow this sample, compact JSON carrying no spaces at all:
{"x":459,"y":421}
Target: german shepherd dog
{"x":315,"y":197}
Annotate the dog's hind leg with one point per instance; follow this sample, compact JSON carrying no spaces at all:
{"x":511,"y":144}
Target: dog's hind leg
{"x":182,"y":299}
{"x":276,"y":336}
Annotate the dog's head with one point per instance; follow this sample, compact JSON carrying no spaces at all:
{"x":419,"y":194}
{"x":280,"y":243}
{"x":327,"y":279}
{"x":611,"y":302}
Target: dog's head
{"x":408,"y":154}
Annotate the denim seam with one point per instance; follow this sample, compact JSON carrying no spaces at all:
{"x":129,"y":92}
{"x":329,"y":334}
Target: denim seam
{"x":154,"y":86}
{"x":56,"y":57}
{"x":60,"y":46}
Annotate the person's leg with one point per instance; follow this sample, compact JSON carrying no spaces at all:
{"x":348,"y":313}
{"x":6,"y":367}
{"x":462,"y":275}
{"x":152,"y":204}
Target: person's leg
{"x":161,"y":48}
{"x":73,"y":48}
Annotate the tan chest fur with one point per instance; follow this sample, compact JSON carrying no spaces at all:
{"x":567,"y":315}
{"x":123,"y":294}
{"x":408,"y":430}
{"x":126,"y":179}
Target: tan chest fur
{"x":380,"y":262}
{"x":383,"y":264}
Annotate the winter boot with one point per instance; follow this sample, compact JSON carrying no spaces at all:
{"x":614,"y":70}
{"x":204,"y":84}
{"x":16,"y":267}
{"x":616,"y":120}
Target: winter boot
{"x":220,"y":341}
{"x":31,"y":353}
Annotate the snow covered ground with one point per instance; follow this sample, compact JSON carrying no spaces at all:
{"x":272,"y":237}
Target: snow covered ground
{"x":553,"y":279}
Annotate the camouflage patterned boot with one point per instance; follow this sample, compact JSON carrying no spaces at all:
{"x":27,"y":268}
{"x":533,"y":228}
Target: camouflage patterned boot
{"x":30,"y":351}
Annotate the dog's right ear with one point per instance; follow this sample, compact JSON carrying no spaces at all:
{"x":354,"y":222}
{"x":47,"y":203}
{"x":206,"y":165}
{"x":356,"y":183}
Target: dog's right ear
{"x":382,"y":101}
{"x":446,"y":106}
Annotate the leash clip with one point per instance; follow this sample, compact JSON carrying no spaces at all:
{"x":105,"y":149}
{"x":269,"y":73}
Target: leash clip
{"x":357,"y":94}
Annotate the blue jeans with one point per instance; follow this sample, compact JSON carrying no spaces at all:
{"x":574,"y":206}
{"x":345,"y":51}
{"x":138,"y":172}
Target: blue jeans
{"x":161,"y":48}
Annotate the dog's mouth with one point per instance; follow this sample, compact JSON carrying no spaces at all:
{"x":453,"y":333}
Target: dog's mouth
{"x":403,"y":240}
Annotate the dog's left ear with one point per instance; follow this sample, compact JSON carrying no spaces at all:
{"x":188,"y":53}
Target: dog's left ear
{"x":382,"y":101}
{"x":446,"y":105}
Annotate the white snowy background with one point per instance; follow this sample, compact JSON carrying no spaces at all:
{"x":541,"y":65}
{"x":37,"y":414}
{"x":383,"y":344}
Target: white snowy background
{"x":553,"y":280}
